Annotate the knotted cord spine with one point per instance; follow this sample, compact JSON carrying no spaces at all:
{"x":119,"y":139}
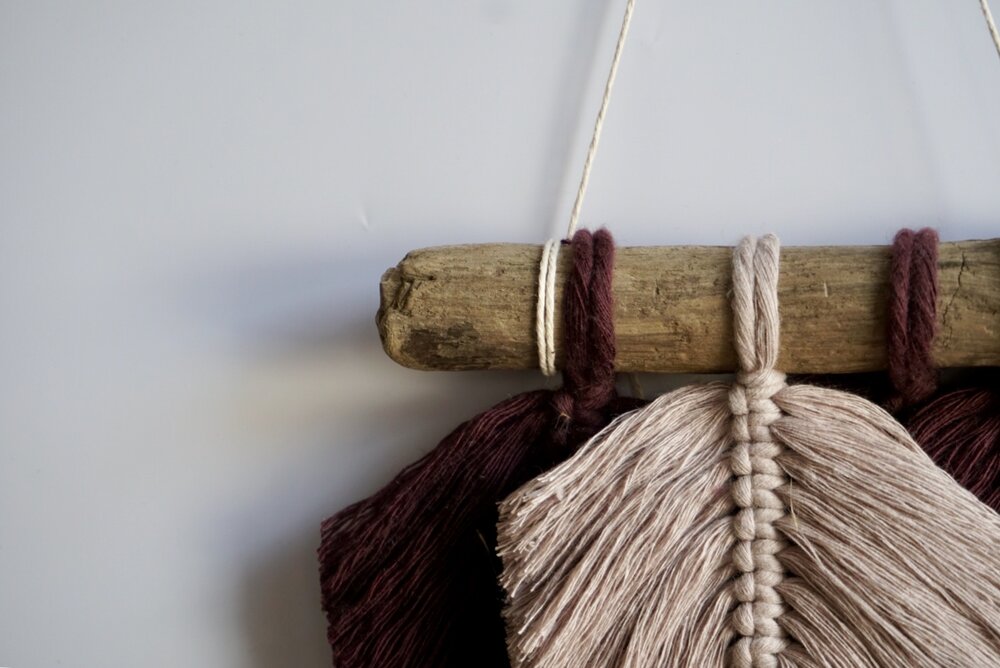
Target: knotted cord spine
{"x":753,"y":459}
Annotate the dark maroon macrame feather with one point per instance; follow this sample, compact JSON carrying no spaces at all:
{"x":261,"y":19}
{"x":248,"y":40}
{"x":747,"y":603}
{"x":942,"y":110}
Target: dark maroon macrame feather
{"x":408,"y":575}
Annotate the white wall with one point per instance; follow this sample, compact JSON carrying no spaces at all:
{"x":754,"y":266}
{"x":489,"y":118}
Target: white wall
{"x":198,"y":198}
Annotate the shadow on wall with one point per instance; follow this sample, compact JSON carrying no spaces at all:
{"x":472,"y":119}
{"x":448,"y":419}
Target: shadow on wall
{"x":406,"y":413}
{"x":332,"y":420}
{"x":279,"y":589}
{"x":279,"y":606}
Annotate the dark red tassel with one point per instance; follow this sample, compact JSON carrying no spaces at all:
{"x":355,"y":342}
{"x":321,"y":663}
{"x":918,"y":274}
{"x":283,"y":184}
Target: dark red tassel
{"x":408,"y":575}
{"x":960,"y":430}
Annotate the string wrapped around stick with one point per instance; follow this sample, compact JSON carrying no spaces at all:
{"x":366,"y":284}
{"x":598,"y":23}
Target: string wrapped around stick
{"x":750,"y":524}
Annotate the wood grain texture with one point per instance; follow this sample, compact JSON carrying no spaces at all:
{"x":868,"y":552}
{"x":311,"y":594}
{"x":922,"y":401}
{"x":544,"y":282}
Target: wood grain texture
{"x":473,"y":307}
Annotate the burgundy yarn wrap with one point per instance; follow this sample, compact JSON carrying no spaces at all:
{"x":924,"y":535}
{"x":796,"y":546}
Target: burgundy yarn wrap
{"x":912,"y":317}
{"x":409,"y":575}
{"x":960,"y":430}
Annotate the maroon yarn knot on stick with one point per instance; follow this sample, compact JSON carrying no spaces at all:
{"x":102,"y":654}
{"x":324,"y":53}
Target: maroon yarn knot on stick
{"x":408,"y":575}
{"x":912,"y":317}
{"x":589,"y":370}
{"x":960,"y":430}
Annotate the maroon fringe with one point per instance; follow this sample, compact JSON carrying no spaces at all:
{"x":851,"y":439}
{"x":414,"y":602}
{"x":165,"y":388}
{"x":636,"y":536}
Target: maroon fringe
{"x":960,"y":430}
{"x":408,"y":575}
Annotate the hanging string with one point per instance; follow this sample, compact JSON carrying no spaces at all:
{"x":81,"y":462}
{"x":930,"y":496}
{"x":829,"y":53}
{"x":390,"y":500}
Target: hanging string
{"x":595,"y":138}
{"x":545,"y":311}
{"x":990,"y":25}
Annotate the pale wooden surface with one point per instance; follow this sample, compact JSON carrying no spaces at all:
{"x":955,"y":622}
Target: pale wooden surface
{"x":473,"y":307}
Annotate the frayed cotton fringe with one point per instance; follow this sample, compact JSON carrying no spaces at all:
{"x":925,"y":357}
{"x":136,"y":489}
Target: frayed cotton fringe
{"x":623,"y":556}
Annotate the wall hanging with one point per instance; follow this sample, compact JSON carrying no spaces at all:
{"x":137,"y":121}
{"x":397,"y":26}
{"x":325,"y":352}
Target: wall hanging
{"x":755,"y":523}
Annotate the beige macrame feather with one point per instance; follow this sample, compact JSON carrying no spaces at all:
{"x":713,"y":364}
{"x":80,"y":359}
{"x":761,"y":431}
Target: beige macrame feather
{"x":751,"y":524}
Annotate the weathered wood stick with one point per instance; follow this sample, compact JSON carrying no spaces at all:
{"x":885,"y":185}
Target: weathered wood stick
{"x":473,"y":307}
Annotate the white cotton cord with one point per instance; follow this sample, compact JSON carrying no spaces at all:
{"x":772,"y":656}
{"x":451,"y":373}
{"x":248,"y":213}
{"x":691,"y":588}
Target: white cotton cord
{"x":990,"y":24}
{"x":595,"y":138}
{"x":545,"y":311}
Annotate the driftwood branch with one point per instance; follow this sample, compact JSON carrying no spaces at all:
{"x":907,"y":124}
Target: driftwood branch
{"x":473,"y":307}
